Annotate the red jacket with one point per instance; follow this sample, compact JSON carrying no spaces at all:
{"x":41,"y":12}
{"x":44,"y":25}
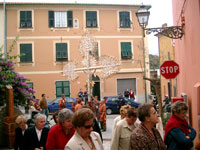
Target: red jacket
{"x":57,"y":139}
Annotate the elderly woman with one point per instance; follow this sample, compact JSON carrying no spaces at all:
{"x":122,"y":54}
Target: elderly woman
{"x":123,"y":130}
{"x":146,"y":136}
{"x":84,"y":138}
{"x":123,"y":112}
{"x":36,"y":136}
{"x":62,"y":132}
{"x":178,"y":133}
{"x":19,"y":132}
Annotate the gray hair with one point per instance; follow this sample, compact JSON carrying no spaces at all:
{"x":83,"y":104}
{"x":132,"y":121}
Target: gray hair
{"x":64,"y":114}
{"x":178,"y":106}
{"x":38,"y":117}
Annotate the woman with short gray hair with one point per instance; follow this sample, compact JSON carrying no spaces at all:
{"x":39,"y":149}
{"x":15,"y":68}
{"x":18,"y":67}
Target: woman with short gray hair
{"x":64,"y":114}
{"x":60,"y":134}
{"x":178,"y":107}
{"x":179,"y":134}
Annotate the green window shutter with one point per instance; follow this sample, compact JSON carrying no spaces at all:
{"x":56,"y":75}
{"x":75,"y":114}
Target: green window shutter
{"x":61,"y":52}
{"x":96,"y":49}
{"x":22,"y":51}
{"x":124,"y":19}
{"x":69,"y":18}
{"x":126,"y":50}
{"x":51,"y":19}
{"x":58,"y":53}
{"x":66,"y":88}
{"x":62,"y":87}
{"x":29,"y":18}
{"x":91,"y":19}
{"x":30,"y":84}
{"x":27,"y":50}
{"x":64,"y":50}
{"x":22,"y":19}
{"x":25,"y":19}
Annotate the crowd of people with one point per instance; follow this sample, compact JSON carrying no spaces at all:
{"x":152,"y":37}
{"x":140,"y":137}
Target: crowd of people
{"x":81,"y":127}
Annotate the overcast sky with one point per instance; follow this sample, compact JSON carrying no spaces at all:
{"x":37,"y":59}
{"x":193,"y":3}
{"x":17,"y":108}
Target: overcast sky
{"x":160,"y":13}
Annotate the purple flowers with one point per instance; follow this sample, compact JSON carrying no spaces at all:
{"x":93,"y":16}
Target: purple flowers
{"x":22,"y":92}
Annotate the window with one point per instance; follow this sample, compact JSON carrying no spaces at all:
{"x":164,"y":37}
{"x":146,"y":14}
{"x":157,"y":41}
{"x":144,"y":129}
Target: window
{"x":60,"y":19}
{"x":96,"y":49}
{"x":30,"y":84}
{"x":91,"y":19}
{"x":62,"y":87}
{"x":126,"y":50}
{"x":61,"y":52}
{"x":95,"y":53}
{"x":25,"y":19}
{"x":124,"y":17}
{"x":26,"y":49}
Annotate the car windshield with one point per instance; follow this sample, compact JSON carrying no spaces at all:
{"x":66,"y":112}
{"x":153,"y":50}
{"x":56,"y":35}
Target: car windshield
{"x":68,"y":99}
{"x":116,"y":98}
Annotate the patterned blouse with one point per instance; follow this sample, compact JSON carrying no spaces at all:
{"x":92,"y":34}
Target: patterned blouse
{"x":141,"y":139}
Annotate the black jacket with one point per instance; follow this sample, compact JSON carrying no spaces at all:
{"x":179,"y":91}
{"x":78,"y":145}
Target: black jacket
{"x":31,"y":139}
{"x":19,"y":139}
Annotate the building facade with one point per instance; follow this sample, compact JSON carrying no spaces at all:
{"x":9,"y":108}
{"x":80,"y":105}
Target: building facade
{"x":1,"y":26}
{"x":50,"y":35}
{"x":186,"y":14}
{"x":166,"y":52}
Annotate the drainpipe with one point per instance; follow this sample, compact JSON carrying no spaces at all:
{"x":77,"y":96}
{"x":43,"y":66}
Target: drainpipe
{"x":5,"y":44}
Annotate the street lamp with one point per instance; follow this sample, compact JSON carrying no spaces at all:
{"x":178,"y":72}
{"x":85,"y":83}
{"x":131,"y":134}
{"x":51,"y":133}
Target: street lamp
{"x":174,"y":32}
{"x":143,"y":16}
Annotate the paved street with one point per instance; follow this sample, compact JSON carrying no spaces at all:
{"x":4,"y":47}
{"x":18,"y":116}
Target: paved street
{"x":108,"y":134}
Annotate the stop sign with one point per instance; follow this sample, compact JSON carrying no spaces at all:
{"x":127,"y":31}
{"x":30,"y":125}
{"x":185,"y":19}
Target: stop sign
{"x":169,"y":69}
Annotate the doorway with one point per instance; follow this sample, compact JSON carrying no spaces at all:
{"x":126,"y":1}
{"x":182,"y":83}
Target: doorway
{"x":96,"y":87}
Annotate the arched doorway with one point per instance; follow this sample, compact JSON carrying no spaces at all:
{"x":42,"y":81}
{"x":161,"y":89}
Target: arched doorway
{"x":96,"y":87}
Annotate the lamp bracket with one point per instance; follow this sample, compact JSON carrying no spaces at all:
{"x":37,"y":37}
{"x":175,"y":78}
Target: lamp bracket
{"x":174,"y":32}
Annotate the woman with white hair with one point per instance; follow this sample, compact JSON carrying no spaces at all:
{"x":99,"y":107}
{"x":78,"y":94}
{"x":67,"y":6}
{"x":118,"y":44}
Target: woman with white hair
{"x":36,"y":136}
{"x":62,"y":132}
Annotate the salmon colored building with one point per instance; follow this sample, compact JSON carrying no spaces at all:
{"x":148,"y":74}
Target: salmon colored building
{"x":50,"y":36}
{"x":186,"y":13}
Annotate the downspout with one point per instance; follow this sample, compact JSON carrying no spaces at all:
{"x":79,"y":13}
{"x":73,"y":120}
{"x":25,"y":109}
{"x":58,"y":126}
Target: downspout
{"x":4,"y":43}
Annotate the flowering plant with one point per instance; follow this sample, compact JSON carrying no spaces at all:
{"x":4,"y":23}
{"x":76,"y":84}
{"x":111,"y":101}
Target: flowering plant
{"x":21,"y":91}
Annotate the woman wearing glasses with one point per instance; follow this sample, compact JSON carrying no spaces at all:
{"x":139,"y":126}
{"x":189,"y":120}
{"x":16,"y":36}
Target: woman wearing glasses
{"x":84,"y":138}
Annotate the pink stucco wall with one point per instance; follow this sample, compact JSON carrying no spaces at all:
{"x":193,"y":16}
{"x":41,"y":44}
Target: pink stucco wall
{"x":187,"y":51}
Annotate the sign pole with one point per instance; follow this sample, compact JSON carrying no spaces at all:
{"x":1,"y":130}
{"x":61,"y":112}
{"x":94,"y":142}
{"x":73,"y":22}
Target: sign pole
{"x":169,"y":83}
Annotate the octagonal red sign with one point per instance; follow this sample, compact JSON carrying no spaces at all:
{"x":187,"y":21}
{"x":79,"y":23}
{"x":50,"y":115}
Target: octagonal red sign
{"x":169,"y":69}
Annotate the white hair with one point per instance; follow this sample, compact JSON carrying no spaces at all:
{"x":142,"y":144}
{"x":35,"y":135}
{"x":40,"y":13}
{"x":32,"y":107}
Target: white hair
{"x":38,"y":117}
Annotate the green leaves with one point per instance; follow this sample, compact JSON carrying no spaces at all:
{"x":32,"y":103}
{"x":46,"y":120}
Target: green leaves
{"x":22,"y":93}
